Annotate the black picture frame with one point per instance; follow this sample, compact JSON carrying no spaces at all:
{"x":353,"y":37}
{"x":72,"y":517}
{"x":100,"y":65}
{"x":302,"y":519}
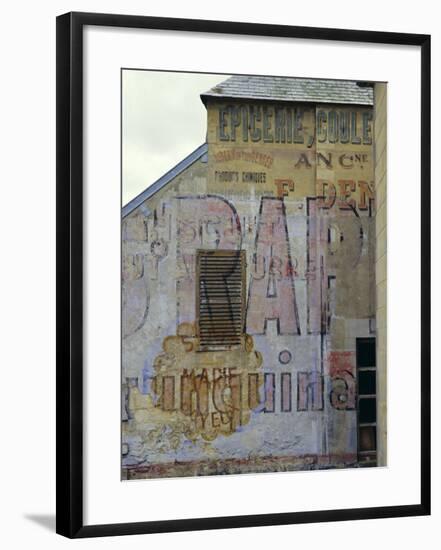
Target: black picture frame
{"x":69,"y":295}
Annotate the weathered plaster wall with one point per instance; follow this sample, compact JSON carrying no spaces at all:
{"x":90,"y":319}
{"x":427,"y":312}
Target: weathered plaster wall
{"x":298,"y":200}
{"x":381,"y":264}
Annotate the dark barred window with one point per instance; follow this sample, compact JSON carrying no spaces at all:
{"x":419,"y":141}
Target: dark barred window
{"x":220,"y":298}
{"x":367,"y":401}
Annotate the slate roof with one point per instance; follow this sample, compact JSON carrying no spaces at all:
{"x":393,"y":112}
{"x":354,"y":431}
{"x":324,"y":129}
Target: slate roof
{"x":278,"y":88}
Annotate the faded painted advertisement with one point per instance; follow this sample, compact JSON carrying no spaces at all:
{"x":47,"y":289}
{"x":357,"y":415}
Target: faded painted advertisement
{"x":248,"y":293}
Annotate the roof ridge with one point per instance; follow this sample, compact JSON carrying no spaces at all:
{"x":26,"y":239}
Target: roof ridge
{"x":163,"y":180}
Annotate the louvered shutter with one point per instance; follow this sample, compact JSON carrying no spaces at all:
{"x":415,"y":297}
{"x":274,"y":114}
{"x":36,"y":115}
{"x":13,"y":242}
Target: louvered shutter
{"x":221,"y":298}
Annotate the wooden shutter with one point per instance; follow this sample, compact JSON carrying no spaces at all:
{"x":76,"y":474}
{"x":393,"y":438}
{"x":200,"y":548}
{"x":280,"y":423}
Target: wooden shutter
{"x":220,"y":298}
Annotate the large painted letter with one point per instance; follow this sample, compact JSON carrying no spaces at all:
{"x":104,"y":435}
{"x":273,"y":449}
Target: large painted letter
{"x":271,"y":294}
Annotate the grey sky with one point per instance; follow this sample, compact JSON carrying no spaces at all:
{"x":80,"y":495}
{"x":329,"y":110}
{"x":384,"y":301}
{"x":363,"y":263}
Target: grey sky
{"x":164,"y":120}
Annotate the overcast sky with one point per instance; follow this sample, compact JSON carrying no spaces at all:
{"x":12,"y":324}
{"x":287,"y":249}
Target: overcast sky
{"x":163,"y":121}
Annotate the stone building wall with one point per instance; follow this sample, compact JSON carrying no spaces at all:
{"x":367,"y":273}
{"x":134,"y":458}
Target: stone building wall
{"x":381,"y":263}
{"x":292,"y":186}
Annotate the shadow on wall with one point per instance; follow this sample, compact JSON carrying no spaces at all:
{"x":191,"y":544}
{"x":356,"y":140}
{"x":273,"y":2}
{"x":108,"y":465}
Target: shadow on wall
{"x":47,"y":521}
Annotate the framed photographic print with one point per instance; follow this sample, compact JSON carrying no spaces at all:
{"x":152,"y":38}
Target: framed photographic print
{"x":243,"y":289}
